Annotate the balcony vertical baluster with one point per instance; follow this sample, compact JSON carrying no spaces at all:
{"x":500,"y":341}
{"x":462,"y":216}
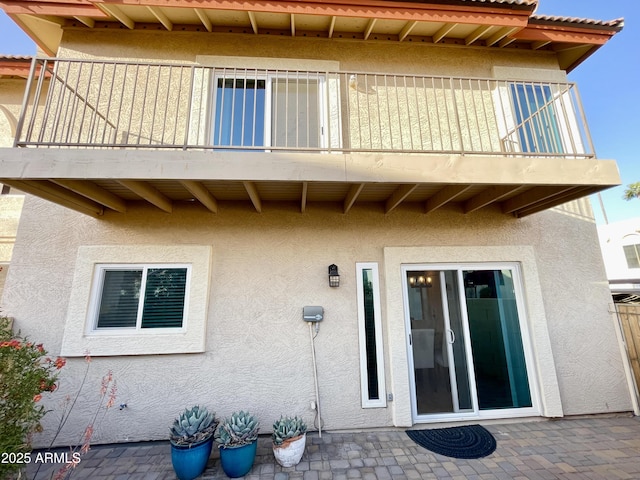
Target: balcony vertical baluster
{"x":25,"y":100}
{"x":108,"y":107}
{"x":188,"y":115}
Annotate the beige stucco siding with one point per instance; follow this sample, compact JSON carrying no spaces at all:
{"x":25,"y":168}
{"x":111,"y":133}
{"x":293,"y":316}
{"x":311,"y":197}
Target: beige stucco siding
{"x":266,"y":267}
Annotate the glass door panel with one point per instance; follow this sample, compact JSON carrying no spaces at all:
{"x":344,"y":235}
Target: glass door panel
{"x":494,"y":327}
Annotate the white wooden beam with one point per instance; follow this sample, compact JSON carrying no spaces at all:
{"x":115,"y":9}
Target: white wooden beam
{"x":251,"y":189}
{"x":352,"y":196}
{"x":148,"y":193}
{"x":477,"y":33}
{"x":444,"y":30}
{"x":293,"y":25}
{"x":398,"y":196}
{"x":204,"y":18}
{"x":540,"y":44}
{"x":254,"y":23}
{"x":203,"y":195}
{"x":116,"y":13}
{"x":332,"y":26}
{"x":506,"y":41}
{"x":92,"y":191}
{"x":162,"y":18}
{"x":88,"y":21}
{"x":406,"y":30}
{"x":500,"y":34}
{"x":369,"y":28}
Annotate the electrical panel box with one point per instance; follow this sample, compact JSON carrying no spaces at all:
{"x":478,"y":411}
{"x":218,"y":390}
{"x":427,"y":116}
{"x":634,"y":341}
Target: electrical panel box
{"x":312,"y":314}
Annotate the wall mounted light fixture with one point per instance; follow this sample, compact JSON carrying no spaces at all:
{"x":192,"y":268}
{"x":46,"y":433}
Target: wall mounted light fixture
{"x":334,"y":276}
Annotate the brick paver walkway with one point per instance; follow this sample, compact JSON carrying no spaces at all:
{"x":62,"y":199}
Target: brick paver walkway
{"x":589,"y":448}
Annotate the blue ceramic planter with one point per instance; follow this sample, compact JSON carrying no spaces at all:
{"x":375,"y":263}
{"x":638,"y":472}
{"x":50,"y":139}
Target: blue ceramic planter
{"x":189,"y":461}
{"x":237,"y":461}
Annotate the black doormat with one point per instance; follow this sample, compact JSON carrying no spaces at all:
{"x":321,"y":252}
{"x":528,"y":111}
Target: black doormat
{"x":471,"y":441}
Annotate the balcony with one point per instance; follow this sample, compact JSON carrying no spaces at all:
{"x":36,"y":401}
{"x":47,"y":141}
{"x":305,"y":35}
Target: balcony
{"x":101,"y":134}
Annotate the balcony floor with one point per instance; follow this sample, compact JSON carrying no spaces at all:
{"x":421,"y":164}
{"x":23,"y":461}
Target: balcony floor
{"x":95,"y":180}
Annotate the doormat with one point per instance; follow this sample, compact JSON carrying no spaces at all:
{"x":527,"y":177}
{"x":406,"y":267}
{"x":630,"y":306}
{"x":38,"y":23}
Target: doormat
{"x":471,"y":441}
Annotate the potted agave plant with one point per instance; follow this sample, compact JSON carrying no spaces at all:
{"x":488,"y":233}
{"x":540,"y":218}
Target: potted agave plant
{"x":238,"y":440}
{"x":289,"y":439}
{"x":191,"y":441}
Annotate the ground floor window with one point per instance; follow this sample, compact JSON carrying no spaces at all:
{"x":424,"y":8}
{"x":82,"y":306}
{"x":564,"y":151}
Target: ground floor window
{"x":140,"y":296}
{"x":467,"y":341}
{"x":370,"y":336}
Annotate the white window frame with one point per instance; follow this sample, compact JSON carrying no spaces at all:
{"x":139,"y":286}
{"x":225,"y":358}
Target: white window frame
{"x":269,"y":79}
{"x":381,"y":402}
{"x":96,"y":296}
{"x":79,"y":336}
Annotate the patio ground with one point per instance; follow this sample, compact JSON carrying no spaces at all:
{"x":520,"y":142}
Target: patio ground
{"x":598,"y":447}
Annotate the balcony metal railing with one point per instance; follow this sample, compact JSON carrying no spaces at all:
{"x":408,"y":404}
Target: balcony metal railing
{"x":109,"y":104}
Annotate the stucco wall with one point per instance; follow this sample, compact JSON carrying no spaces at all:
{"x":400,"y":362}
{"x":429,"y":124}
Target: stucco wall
{"x":391,"y":57}
{"x":265,"y":268}
{"x":11,"y":95}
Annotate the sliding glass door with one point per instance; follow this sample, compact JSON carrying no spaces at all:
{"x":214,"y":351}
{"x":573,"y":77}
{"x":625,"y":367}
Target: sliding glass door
{"x":465,"y":335}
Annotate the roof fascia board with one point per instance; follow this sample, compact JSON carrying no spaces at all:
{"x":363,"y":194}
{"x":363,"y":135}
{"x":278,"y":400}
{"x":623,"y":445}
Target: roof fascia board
{"x":566,"y":35}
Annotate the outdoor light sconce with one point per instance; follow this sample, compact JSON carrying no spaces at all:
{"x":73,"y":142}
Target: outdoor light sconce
{"x":334,"y":277}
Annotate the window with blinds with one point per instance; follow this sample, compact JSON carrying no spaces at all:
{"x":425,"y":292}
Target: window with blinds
{"x":139,"y":297}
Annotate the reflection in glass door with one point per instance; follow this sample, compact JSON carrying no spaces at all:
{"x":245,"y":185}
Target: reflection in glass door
{"x":465,"y":340}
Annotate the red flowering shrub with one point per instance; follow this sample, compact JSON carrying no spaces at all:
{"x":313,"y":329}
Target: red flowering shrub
{"x":25,"y":373}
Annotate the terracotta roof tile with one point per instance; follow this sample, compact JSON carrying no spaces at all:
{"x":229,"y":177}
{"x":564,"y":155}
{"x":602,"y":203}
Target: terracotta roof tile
{"x":614,"y":24}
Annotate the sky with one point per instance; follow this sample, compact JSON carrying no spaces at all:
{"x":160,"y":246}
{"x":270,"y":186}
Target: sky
{"x":608,"y":82}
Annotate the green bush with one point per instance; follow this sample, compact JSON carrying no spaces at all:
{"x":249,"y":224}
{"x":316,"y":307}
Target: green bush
{"x":25,"y":373}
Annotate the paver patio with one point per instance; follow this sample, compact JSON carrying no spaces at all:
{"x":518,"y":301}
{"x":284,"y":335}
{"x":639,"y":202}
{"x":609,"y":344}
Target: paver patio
{"x":599,"y":447}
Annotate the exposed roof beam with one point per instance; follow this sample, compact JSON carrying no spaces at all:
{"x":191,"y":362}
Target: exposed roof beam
{"x":251,"y":189}
{"x":303,"y":196}
{"x":148,"y":193}
{"x":406,"y":30}
{"x":443,"y":32}
{"x":506,"y":41}
{"x":352,"y":196}
{"x":162,"y":18}
{"x":539,"y":44}
{"x":293,"y":25}
{"x":398,"y":196}
{"x":203,"y":195}
{"x":53,"y":9}
{"x":583,"y":36}
{"x":56,"y":194}
{"x":444,"y":196}
{"x":58,"y":21}
{"x":252,"y":19}
{"x":488,"y":196}
{"x":369,"y":28}
{"x":204,"y":18}
{"x":116,"y":13}
{"x":94,"y":192}
{"x":533,"y":196}
{"x":89,"y":22}
{"x":332,"y":26}
{"x":477,"y":33}
{"x":500,"y":35}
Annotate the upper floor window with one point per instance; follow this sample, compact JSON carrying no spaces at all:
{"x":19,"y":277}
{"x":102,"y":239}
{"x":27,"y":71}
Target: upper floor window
{"x":256,"y":109}
{"x":136,"y":297}
{"x":536,"y":118}
{"x":632,"y":254}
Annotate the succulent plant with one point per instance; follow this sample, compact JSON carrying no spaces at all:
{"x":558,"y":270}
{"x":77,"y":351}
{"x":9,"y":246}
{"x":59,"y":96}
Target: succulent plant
{"x":239,"y":429}
{"x":286,"y":428}
{"x":193,"y":425}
